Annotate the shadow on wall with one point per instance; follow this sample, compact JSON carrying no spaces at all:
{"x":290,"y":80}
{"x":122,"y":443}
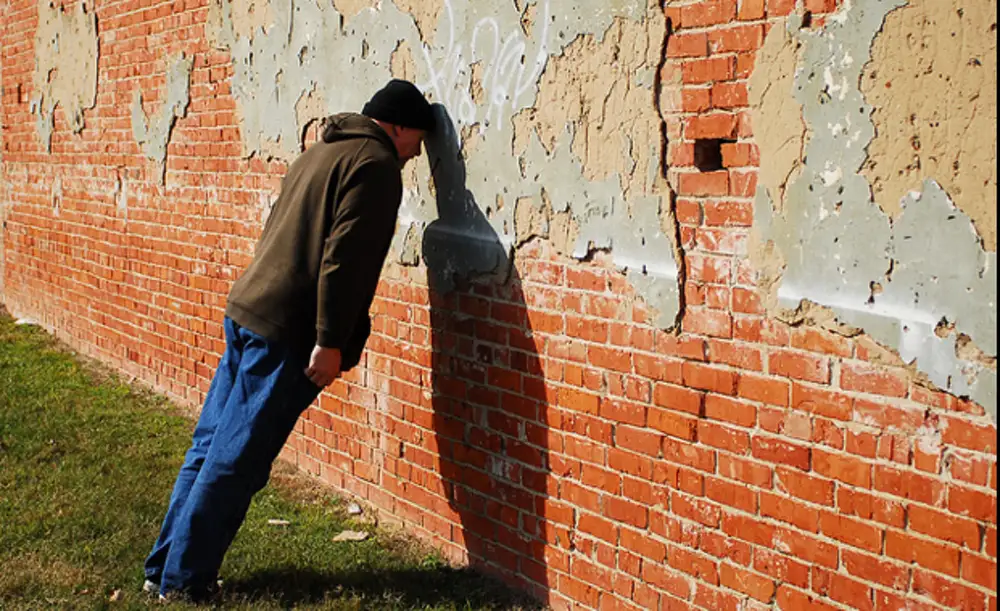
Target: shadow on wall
{"x":488,"y":387}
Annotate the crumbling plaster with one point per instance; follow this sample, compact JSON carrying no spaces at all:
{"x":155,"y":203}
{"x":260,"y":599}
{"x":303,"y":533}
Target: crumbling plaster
{"x":65,"y":65}
{"x":154,"y":134}
{"x":920,"y":283}
{"x":550,"y":108}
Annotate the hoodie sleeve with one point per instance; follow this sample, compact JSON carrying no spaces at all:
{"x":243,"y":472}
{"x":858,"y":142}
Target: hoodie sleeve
{"x":354,"y":252}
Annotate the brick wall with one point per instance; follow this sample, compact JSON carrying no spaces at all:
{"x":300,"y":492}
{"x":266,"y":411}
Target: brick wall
{"x":543,"y":429}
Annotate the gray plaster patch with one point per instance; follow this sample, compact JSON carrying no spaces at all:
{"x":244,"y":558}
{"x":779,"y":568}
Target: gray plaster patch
{"x":65,"y":66}
{"x":465,"y":204}
{"x":897,"y":281}
{"x":153,"y":135}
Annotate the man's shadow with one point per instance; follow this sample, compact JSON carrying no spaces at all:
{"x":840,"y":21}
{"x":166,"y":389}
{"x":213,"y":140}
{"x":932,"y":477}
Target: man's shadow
{"x":489,"y":400}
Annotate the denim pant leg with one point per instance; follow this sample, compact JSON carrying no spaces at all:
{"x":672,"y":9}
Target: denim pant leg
{"x":268,"y":395}
{"x":215,"y":401}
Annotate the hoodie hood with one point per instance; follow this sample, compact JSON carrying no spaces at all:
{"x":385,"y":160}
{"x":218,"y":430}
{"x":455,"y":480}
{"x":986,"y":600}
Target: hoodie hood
{"x":349,"y":125}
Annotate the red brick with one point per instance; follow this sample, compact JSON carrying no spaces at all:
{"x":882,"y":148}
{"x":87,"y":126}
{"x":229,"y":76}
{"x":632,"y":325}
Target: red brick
{"x":851,"y":531}
{"x":780,"y":452}
{"x":946,"y":592}
{"x":823,"y":342}
{"x":789,"y":424}
{"x":638,"y":440}
{"x":748,"y":529}
{"x":732,"y":495}
{"x":708,"y":70}
{"x":765,"y":390}
{"x":781,"y":567}
{"x":686,"y":44}
{"x":607,"y":358}
{"x":970,"y":436}
{"x":667,"y":580}
{"x":756,"y":586}
{"x":806,"y":487}
{"x":750,"y":10}
{"x":871,"y":507}
{"x":843,"y":589}
{"x":623,"y":411}
{"x":703,"y":183}
{"x":887,"y":416}
{"x":713,"y":379}
{"x":726,"y":409}
{"x":745,"y":471}
{"x":673,"y":424}
{"x":865,"y":377}
{"x":678,"y":398}
{"x":735,"y":354}
{"x":970,"y":468}
{"x":689,"y":455}
{"x":598,"y":527}
{"x":643,"y":544}
{"x":728,"y":214}
{"x":821,"y":6}
{"x":780,"y":8}
{"x":579,"y":591}
{"x":872,"y":568}
{"x":626,"y":512}
{"x":790,"y":599}
{"x":930,"y":555}
{"x":973,"y":504}
{"x":979,"y":570}
{"x":708,"y":12}
{"x":790,"y":511}
{"x":736,"y":38}
{"x":662,"y":368}
{"x":800,"y":366}
{"x":723,"y":437}
{"x":580,"y":401}
{"x":842,"y":468}
{"x":944,"y":527}
{"x":910,"y":485}
{"x":692,"y":100}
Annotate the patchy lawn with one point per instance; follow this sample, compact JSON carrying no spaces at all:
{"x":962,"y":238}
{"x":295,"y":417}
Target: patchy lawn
{"x":86,"y":467}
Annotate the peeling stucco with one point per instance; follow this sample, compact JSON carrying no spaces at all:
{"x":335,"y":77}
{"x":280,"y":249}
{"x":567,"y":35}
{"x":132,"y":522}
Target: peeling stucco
{"x":153,"y":134}
{"x":920,"y":284}
{"x":65,"y":65}
{"x":514,"y":82}
{"x":932,"y":84}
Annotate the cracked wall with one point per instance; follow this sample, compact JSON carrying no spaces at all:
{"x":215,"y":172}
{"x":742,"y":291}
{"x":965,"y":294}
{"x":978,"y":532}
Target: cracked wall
{"x":65,"y":65}
{"x":513,"y":80}
{"x":153,"y":134}
{"x":906,"y":266}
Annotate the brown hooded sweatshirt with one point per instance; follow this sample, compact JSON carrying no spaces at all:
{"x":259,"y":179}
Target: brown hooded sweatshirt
{"x":319,"y":258}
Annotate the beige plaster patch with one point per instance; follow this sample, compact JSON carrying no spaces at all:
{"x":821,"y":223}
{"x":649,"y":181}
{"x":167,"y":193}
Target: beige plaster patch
{"x":425,"y":13}
{"x":401,"y":63}
{"x":932,"y":83}
{"x":604,"y":90}
{"x":65,"y":64}
{"x":350,"y":8}
{"x":776,"y":115}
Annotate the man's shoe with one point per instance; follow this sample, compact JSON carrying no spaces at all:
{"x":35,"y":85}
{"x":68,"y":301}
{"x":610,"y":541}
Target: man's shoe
{"x":191,"y":596}
{"x":150,"y":587}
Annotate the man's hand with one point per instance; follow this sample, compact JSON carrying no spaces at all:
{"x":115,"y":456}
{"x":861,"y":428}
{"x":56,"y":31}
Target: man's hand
{"x":324,"y":366}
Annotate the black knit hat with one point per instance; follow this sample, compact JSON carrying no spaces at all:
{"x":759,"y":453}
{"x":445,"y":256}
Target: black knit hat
{"x":401,"y":103}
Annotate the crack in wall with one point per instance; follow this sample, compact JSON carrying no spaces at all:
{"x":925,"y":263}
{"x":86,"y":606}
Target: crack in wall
{"x":66,"y":53}
{"x":154,"y":135}
{"x":824,"y":240}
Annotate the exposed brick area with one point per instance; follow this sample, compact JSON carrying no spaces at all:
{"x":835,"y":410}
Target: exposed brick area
{"x":542,"y":430}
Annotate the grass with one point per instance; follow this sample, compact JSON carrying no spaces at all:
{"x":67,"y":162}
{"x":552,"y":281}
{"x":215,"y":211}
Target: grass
{"x":86,"y":467}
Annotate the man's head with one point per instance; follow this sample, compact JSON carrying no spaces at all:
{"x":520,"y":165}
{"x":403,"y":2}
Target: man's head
{"x":404,"y":113}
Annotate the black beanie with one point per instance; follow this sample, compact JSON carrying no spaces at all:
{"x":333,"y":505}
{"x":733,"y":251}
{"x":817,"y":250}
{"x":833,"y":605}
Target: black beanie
{"x":401,"y":103}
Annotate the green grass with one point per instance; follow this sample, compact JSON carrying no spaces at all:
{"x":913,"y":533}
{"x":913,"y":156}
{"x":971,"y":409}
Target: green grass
{"x":86,"y":467}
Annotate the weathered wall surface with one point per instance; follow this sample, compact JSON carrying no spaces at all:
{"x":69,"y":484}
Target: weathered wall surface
{"x":922,"y":281}
{"x":691,"y":305}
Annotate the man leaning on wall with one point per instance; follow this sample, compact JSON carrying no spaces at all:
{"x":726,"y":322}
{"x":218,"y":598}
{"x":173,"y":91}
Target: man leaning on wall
{"x":296,"y":319}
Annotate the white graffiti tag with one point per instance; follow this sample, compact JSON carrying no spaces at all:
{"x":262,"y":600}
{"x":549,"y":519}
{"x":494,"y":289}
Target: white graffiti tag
{"x":507,"y":74}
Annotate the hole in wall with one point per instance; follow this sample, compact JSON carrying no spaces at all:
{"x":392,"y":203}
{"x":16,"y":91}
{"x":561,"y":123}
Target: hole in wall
{"x":708,"y":154}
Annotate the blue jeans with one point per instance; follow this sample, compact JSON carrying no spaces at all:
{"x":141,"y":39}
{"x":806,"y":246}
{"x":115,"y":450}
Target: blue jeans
{"x":256,"y":396}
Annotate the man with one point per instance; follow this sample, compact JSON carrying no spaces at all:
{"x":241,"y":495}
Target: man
{"x":295,"y":320}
